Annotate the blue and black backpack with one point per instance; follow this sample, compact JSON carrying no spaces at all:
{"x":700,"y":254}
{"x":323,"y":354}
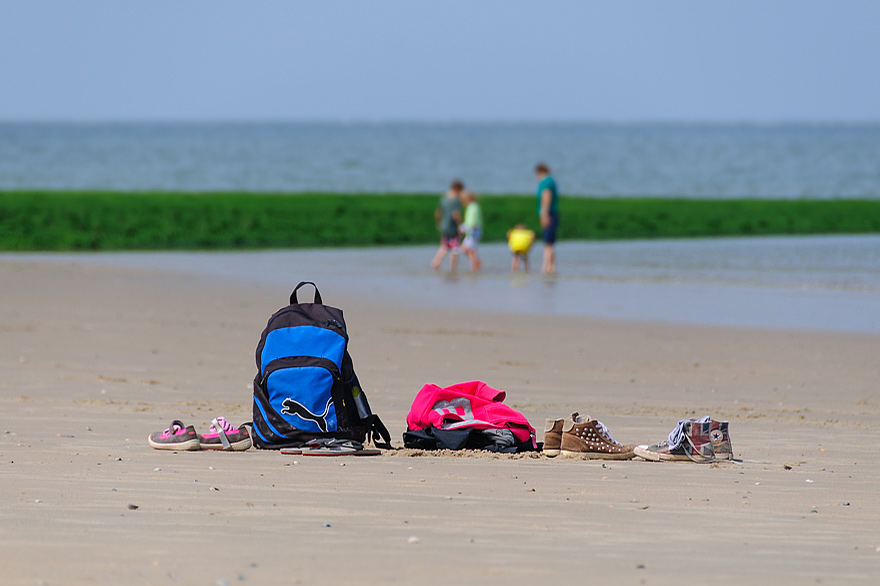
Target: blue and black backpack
{"x":306,"y":387}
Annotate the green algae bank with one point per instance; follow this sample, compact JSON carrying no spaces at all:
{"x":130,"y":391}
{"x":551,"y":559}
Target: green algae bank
{"x":67,"y":221}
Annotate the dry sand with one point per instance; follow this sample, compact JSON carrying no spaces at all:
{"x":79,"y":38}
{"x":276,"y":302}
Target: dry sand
{"x":94,"y":359}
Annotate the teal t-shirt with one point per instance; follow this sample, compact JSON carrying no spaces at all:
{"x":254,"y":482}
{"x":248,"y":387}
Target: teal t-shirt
{"x":448,"y":207}
{"x":549,"y":183}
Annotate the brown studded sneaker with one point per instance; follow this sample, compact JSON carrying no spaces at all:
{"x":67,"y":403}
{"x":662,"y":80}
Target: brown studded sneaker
{"x":583,"y":436}
{"x":552,"y":437}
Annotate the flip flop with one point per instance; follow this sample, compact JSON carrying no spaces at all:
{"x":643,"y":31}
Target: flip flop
{"x":332,"y":447}
{"x":336,"y":451}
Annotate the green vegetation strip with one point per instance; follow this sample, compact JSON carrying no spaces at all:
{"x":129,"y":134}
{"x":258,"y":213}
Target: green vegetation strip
{"x":38,"y":220}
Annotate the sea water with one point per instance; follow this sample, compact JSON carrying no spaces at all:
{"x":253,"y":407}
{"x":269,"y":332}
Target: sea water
{"x":661,"y":160}
{"x":826,"y":283}
{"x":829,"y":283}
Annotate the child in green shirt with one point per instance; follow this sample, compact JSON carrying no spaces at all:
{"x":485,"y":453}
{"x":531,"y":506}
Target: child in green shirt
{"x":472,"y":228}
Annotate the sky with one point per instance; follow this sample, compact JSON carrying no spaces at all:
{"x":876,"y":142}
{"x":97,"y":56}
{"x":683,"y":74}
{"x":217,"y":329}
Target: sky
{"x":760,"y":61}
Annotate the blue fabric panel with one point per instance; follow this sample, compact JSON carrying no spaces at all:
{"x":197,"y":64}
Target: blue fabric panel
{"x":307,"y":341}
{"x":302,"y":397}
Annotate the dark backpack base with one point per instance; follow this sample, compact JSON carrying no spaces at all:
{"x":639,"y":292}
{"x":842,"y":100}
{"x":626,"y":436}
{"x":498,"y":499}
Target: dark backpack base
{"x":373,"y":431}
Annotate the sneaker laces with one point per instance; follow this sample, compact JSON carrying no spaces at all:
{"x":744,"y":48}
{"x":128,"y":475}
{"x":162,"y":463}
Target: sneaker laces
{"x":677,"y":435}
{"x":605,"y":432}
{"x":175,"y":426}
{"x":223,"y":425}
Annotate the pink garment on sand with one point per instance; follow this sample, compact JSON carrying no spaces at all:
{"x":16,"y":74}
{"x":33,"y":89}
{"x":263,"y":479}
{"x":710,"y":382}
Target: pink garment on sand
{"x":467,"y":405}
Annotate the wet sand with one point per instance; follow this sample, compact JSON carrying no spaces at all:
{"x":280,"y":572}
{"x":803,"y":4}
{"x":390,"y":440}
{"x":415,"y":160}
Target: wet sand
{"x":94,"y":358}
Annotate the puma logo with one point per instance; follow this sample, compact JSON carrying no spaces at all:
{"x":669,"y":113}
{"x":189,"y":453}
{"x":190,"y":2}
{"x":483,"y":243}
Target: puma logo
{"x":292,"y":407}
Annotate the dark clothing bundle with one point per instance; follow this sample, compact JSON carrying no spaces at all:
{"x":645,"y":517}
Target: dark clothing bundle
{"x":468,"y":415}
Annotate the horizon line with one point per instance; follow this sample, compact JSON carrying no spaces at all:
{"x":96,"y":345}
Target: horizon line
{"x":757,"y":122}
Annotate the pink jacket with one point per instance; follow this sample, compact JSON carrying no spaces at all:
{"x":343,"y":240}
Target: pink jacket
{"x":473,"y":404}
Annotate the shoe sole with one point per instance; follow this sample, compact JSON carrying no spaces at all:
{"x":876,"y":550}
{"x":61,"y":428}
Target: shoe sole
{"x":659,"y":457}
{"x":187,"y":446}
{"x":600,"y":455}
{"x":239,"y":446}
{"x":552,"y":453}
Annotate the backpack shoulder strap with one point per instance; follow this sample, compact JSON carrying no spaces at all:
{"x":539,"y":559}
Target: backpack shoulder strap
{"x":377,"y":431}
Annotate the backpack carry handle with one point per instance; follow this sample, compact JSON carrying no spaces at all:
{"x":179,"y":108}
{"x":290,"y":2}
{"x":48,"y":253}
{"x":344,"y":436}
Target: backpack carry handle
{"x":318,"y":299}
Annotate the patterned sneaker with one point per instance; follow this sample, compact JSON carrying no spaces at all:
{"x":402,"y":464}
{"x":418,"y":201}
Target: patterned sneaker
{"x":177,"y":437}
{"x":698,"y":440}
{"x":720,"y":435}
{"x":552,"y":437}
{"x":222,"y":435}
{"x":583,"y":436}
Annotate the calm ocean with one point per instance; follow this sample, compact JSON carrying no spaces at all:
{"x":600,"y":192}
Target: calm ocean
{"x":663,"y":160}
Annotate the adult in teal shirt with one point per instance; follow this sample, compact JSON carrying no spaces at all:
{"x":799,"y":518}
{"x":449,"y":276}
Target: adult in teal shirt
{"x":548,"y":213}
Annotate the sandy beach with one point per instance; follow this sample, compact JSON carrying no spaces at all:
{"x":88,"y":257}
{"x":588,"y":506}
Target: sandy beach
{"x":94,"y":358}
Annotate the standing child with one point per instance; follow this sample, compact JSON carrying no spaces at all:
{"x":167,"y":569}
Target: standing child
{"x":472,"y":228}
{"x":520,"y":240}
{"x":448,"y":216}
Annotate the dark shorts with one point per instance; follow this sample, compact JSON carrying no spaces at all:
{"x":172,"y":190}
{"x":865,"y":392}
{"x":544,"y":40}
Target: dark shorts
{"x":549,"y":233}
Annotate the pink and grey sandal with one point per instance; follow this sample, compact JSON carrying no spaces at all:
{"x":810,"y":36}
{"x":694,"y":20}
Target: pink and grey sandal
{"x":222,"y":435}
{"x":177,"y":437}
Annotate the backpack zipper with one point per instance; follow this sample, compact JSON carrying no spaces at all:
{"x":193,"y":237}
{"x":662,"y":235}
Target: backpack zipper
{"x":281,"y":363}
